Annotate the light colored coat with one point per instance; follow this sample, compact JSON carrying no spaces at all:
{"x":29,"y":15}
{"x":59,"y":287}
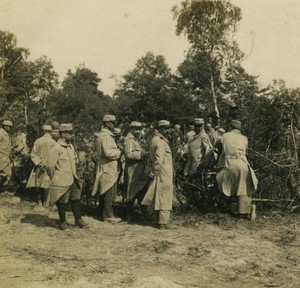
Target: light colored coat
{"x":136,"y":178}
{"x":5,"y":149}
{"x":160,"y":166}
{"x":236,"y":176}
{"x":107,"y":162}
{"x":61,"y":164}
{"x":39,"y":155}
{"x":198,"y":148}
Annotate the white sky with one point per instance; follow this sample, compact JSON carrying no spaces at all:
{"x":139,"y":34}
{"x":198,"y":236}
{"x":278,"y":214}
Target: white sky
{"x":109,"y":36}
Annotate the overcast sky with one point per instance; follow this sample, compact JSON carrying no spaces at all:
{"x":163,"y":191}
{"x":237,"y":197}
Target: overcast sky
{"x":109,"y":36}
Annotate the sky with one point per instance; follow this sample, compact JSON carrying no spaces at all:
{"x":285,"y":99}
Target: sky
{"x":109,"y":36}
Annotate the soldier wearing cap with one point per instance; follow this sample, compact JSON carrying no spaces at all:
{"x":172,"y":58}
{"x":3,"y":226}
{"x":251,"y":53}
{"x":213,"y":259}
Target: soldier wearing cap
{"x":216,"y":135}
{"x":236,"y":177}
{"x":191,"y":133}
{"x":198,"y":148}
{"x":39,"y":178}
{"x":107,"y":169}
{"x":5,"y":150}
{"x":55,"y":130}
{"x":65,"y":183}
{"x":160,"y":170}
{"x":209,"y":131}
{"x":136,"y":178}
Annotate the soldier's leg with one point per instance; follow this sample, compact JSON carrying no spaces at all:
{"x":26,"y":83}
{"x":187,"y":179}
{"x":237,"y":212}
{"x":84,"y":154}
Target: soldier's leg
{"x":62,"y":210}
{"x":3,"y":179}
{"x":44,"y":195}
{"x":144,"y":209}
{"x":108,"y":213}
{"x":38,"y":195}
{"x":108,"y":210}
{"x":101,"y":206}
{"x":163,"y":217}
{"x":75,"y":199}
{"x":244,"y":206}
{"x":129,"y":210}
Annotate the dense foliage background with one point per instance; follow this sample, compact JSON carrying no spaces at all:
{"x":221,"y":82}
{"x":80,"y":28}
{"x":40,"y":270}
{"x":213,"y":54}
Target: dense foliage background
{"x":209,"y":83}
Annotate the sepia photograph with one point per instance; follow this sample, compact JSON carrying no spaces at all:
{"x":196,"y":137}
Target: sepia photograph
{"x":149,"y":143}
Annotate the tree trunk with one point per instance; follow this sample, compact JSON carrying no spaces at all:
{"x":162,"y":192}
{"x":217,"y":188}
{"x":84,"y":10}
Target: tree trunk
{"x":25,"y":114}
{"x":214,"y":98}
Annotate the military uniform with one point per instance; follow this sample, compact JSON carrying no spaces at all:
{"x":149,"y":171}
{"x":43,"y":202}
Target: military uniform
{"x":236,"y":177}
{"x":65,"y":183}
{"x":5,"y":150}
{"x":39,"y":177}
{"x":160,"y":169}
{"x":198,"y":148}
{"x":136,"y":178}
{"x":107,"y":172}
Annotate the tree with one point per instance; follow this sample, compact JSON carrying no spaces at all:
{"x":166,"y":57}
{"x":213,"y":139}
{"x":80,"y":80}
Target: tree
{"x":150,"y":92}
{"x":80,"y":102}
{"x":208,"y":26}
{"x":145,"y":90}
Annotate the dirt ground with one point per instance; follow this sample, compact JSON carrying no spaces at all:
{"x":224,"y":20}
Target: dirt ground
{"x":212,"y":250}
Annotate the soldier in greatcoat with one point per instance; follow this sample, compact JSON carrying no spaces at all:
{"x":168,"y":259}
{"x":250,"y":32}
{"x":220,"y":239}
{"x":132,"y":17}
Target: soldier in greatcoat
{"x":65,"y":183}
{"x":39,"y":178}
{"x":236,"y":177}
{"x":107,"y":172}
{"x":5,"y":150}
{"x":198,"y":148}
{"x":136,"y":178}
{"x":160,"y":171}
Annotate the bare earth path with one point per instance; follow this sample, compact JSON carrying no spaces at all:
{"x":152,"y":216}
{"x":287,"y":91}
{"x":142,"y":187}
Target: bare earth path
{"x":213,"y":250}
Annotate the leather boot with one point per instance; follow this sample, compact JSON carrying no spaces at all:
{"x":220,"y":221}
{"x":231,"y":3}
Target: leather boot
{"x":145,"y":214}
{"x":76,"y":209}
{"x":62,"y":209}
{"x":129,"y":210}
{"x":2,"y":181}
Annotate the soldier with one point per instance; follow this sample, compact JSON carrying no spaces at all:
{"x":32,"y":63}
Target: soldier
{"x":236,"y":176}
{"x":107,"y":169}
{"x":198,"y":148}
{"x":39,"y":178}
{"x":65,"y":184}
{"x":160,"y":171}
{"x":55,"y":130}
{"x":5,"y":150}
{"x":136,"y":178}
{"x":210,"y":132}
{"x":191,"y":133}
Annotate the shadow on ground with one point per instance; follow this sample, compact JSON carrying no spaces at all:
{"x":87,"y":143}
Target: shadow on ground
{"x":38,"y":220}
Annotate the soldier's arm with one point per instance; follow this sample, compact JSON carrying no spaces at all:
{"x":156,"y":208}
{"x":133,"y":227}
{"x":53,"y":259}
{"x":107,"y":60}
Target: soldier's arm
{"x":206,"y":145}
{"x":159,"y":149}
{"x":109,"y":150}
{"x":130,"y":152}
{"x":34,"y":156}
{"x":52,"y":160}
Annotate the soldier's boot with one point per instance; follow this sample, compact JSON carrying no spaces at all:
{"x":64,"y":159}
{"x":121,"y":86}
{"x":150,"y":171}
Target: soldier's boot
{"x":62,"y":210}
{"x":76,"y":209}
{"x":129,"y":212}
{"x":38,"y":192}
{"x":145,"y":214}
{"x":2,"y":181}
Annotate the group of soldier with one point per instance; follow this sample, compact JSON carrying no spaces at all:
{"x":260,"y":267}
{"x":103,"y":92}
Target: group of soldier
{"x":148,"y":171}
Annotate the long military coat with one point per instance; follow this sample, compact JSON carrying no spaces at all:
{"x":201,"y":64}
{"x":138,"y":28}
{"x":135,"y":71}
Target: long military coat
{"x":107,"y":162}
{"x":135,"y":175}
{"x":198,"y":147}
{"x":5,"y":149}
{"x":236,"y":176}
{"x":160,"y":166}
{"x":39,"y":155}
{"x":61,"y":167}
